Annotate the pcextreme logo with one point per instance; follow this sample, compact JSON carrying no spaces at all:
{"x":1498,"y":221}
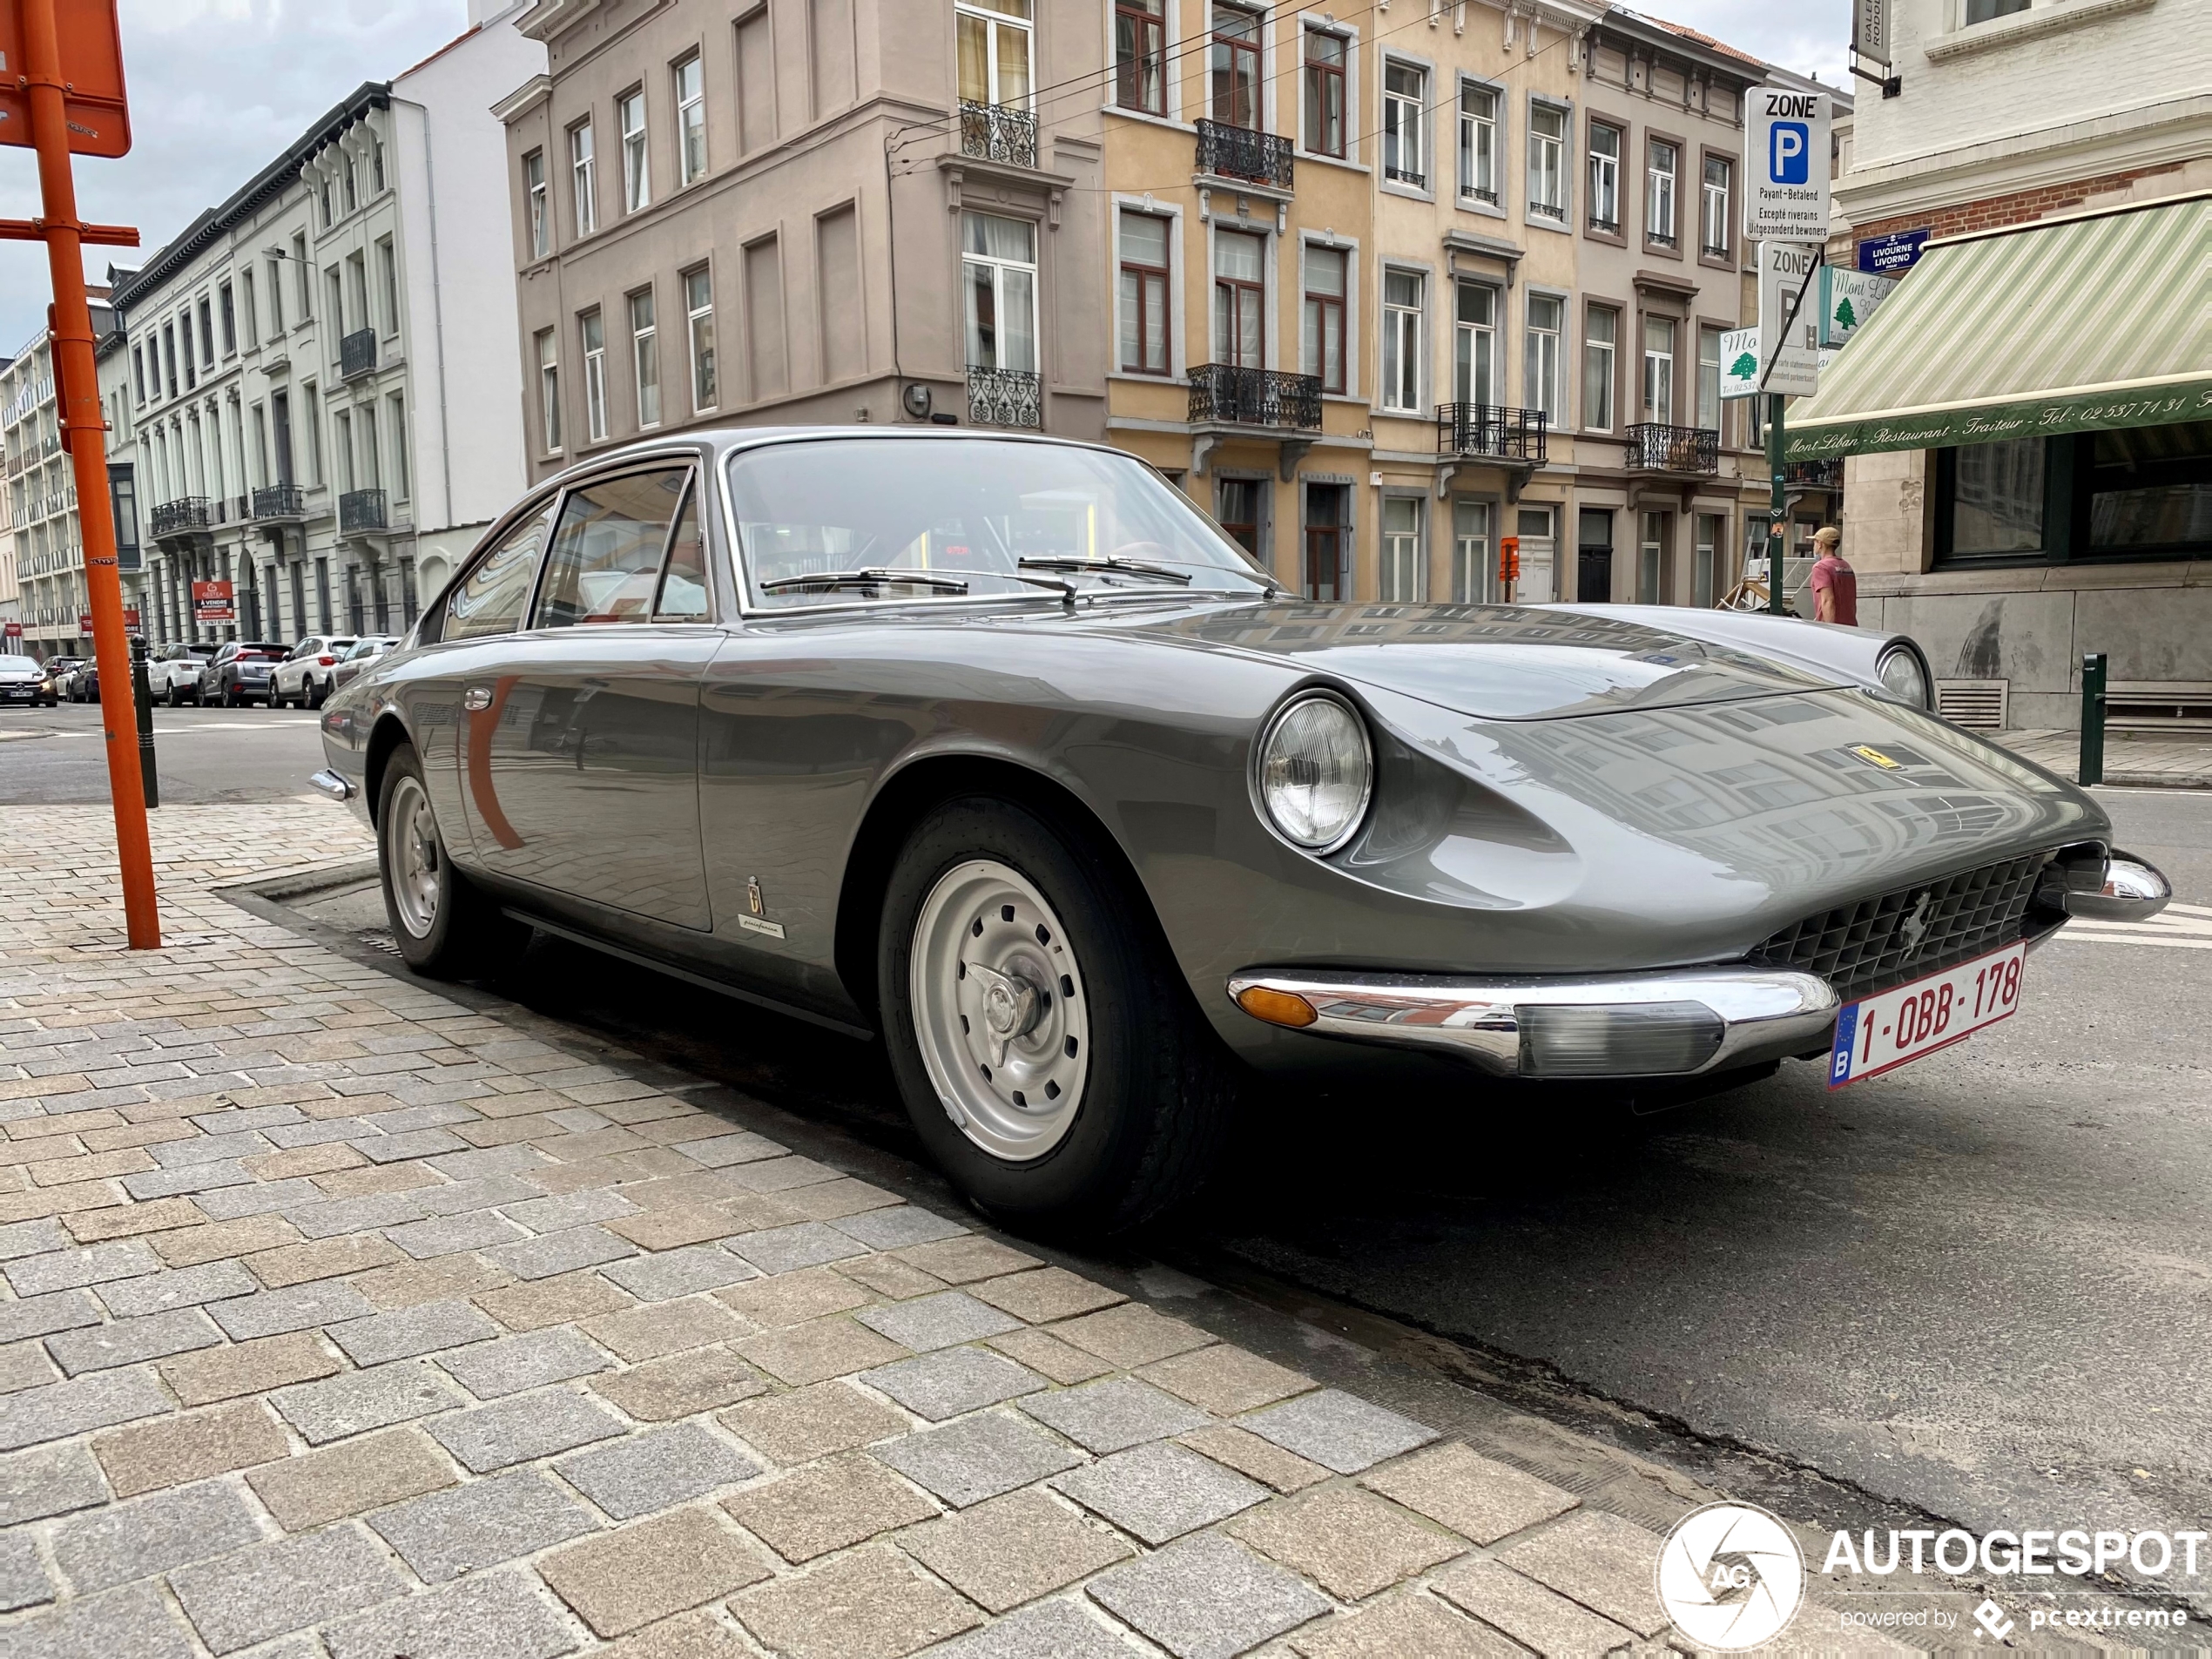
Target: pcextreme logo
{"x":1731,"y":1576}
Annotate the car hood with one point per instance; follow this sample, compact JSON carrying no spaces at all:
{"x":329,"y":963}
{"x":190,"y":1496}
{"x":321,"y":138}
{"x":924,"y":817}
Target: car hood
{"x":1493,"y":662}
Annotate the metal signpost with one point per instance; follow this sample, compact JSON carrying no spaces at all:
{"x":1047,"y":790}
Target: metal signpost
{"x":61,"y":91}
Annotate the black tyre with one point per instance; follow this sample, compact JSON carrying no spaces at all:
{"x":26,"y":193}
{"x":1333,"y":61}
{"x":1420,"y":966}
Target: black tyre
{"x":313,"y":695}
{"x":1048,"y":1051}
{"x":445,"y":926}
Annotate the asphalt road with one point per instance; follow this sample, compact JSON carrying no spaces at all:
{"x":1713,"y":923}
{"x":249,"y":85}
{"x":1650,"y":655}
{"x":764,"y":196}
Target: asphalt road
{"x":56,"y":757}
{"x":1979,"y":1287}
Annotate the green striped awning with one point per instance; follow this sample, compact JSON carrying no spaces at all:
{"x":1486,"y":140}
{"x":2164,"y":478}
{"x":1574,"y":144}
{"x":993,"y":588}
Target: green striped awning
{"x":2077,"y":327}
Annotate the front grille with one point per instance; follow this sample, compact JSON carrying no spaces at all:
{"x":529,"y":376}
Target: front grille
{"x":1869,"y":947}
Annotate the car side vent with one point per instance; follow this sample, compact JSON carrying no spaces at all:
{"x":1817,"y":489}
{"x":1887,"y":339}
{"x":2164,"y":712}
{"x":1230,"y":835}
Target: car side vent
{"x":1979,"y":705}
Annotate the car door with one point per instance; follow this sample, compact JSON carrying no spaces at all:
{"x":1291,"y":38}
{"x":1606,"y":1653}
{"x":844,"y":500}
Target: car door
{"x":585,"y":740}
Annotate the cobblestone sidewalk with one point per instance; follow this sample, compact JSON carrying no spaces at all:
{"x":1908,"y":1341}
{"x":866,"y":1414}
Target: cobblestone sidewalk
{"x":2137,"y":763}
{"x":337,"y":1317}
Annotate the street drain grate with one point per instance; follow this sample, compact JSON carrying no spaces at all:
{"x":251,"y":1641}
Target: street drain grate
{"x":379,"y":939}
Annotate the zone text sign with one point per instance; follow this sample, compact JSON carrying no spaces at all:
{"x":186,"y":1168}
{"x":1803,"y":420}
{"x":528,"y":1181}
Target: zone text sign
{"x":1785,"y":165}
{"x":92,"y":52}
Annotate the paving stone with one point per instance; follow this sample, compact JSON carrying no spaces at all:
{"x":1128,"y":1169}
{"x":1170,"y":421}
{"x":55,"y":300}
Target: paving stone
{"x":1130,"y":1336}
{"x":406,"y":1333}
{"x":516,"y":1431}
{"x":890,"y":1278}
{"x":838,"y":1501}
{"x":1339,"y":1431}
{"x":172,"y":1451}
{"x":361,"y":1401}
{"x":1226,"y":1380}
{"x":1526,"y":1610}
{"x":642,"y":1473}
{"x":494,"y":1370}
{"x":1244,"y":1451}
{"x":23,"y":1575}
{"x":953,"y":1380}
{"x":549,"y":1253}
{"x":659,"y":1328}
{"x":64,"y":1408}
{"x":1160,"y":1492}
{"x":416,"y":1183}
{"x":443,"y":1534}
{"x":1474,"y":1495}
{"x":288,"y":1585}
{"x":897,"y":1226}
{"x":1604,"y":1562}
{"x":682,"y":1224}
{"x":719,"y":1151}
{"x":869,"y":1604}
{"x":811,"y":1422}
{"x":1205,"y":1598}
{"x":482,"y":1193}
{"x":782,"y":1250}
{"x":163,"y":1215}
{"x":411,"y":1284}
{"x":678,"y":1272}
{"x":332,"y":1215}
{"x":1045,"y":1294}
{"x":314,"y":1489}
{"x":1352,"y":1545}
{"x":253,"y":1367}
{"x":49,"y":1481}
{"x":192,"y":1178}
{"x":819,"y":1350}
{"x":135,"y":1622}
{"x":1014,"y":1549}
{"x":681,"y":1385}
{"x":128,"y":1342}
{"x":965,"y":1258}
{"x":292,"y":1265}
{"x":835,"y":1200}
{"x":1402,"y":1625}
{"x":190,"y":1246}
{"x":24,"y":1365}
{"x":560,"y":1300}
{"x":570,"y":1209}
{"x":315,"y":1155}
{"x":688,"y":1636}
{"x":259,"y":1198}
{"x":1114,"y":1415}
{"x":793,"y":1299}
{"x":149,"y":1535}
{"x":273,"y":1312}
{"x":66,"y":1270}
{"x":494,"y":1615}
{"x":467,"y":1165}
{"x":627,"y":1579}
{"x":179,"y":1288}
{"x":410,"y":1143}
{"x":206,"y":1149}
{"x":450,"y":1235}
{"x":20,"y":1239}
{"x":937,"y":1321}
{"x":1059,"y":1629}
{"x":978,"y":1457}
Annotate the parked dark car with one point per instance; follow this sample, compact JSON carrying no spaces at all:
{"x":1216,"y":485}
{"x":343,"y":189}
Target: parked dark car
{"x":999,"y":750}
{"x":240,"y":672}
{"x":23,"y":681}
{"x":60,"y":670}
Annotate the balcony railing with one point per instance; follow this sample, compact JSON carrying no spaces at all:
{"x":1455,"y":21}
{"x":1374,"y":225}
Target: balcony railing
{"x":1605,"y":227}
{"x":1660,"y":239}
{"x":1554,"y":211}
{"x":1653,"y":448}
{"x":1490,"y":430}
{"x":1224,"y":392}
{"x":998,"y":132}
{"x":185,"y":513}
{"x":280,"y":501}
{"x":357,"y":352}
{"x":1815,"y":475}
{"x":1239,"y":152}
{"x":1412,"y":176}
{"x":1005,"y":397}
{"x":362,"y":509}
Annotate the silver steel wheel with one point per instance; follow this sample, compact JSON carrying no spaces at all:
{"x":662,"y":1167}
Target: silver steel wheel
{"x":412,"y":857}
{"x":1000,"y":1009}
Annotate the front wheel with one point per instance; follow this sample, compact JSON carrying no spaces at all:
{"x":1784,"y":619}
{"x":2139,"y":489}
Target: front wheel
{"x":314,"y":693}
{"x":445,"y":926}
{"x":1048,"y":1049}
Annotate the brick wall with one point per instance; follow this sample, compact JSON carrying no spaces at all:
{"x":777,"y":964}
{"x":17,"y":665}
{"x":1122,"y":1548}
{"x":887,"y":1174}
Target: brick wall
{"x":2017,"y":207}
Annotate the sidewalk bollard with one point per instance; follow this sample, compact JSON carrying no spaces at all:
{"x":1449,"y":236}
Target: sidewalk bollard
{"x":2092,"y":719}
{"x":142,"y":699}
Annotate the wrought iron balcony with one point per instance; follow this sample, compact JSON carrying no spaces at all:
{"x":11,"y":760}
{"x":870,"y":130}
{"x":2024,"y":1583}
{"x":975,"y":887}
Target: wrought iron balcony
{"x":362,"y":509}
{"x":1005,"y":397}
{"x":1412,"y":176}
{"x":1223,"y":393}
{"x":1239,"y":152}
{"x":178,"y":517}
{"x":1653,"y":448}
{"x":1484,"y":194}
{"x":357,"y":352}
{"x":998,"y":132}
{"x":280,"y":501}
{"x":1815,"y":475}
{"x":1491,"y":429}
{"x":1553,"y":210}
{"x":1605,"y":227}
{"x":1661,"y":239}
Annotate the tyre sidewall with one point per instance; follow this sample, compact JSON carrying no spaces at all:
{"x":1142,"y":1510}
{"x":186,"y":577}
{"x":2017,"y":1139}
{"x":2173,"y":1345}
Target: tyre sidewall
{"x":436,"y":952}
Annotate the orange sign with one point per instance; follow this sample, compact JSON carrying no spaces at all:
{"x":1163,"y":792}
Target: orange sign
{"x":92,"y":48}
{"x":1508,"y":559}
{"x":213,"y":601}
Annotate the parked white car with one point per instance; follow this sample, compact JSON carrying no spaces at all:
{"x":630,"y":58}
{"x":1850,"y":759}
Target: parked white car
{"x":179,"y":674}
{"x":303,"y":677}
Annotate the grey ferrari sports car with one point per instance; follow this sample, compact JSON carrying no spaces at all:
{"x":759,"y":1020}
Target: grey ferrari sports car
{"x":999,"y":750}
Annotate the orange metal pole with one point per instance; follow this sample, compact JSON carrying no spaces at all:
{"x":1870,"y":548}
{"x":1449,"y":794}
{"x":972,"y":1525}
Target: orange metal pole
{"x":78,"y":389}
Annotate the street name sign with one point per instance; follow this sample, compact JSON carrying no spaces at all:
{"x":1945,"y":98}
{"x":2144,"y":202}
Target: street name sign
{"x":1870,"y":32}
{"x":1785,"y":165}
{"x":1893,"y":254}
{"x":1847,"y":300}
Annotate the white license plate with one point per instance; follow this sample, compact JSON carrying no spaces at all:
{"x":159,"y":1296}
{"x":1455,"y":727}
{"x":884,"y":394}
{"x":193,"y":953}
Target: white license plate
{"x":1887,"y":1031}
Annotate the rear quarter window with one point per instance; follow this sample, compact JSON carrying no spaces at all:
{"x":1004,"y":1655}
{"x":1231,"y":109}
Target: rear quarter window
{"x":491,"y":598}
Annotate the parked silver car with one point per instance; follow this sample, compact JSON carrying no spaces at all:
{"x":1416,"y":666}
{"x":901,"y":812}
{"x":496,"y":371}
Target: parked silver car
{"x":998,"y":749}
{"x":305,"y":676}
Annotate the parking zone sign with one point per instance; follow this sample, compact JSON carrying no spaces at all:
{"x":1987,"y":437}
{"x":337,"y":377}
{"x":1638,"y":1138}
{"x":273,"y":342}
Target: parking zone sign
{"x":1785,"y":165}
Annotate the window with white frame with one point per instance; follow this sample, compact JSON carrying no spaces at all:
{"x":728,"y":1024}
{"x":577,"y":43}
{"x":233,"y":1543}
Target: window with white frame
{"x":645,"y":357}
{"x":1548,"y":162}
{"x":1470,"y":551}
{"x":1405,"y":124}
{"x":636,"y":177}
{"x":691,"y":120}
{"x":1659,"y":370}
{"x":583,"y":180}
{"x":1713,"y":237}
{"x":591,"y":329}
{"x":1401,"y":342}
{"x":1140,"y":56}
{"x":1660,"y":170}
{"x":1478,"y":144}
{"x":1711,"y":535}
{"x":1541,"y":371}
{"x":1651,"y":558}
{"x":1605,"y":178}
{"x":1321,"y":332}
{"x":1402,"y":577}
{"x":1600,"y":343}
{"x":1143,"y":293}
{"x":548,"y":390}
{"x":1326,"y":52}
{"x":534,"y":197}
{"x":1240,"y":298}
{"x":994,"y":41}
{"x":1708,"y":379}
{"x":999,"y":288}
{"x":698,"y":317}
{"x":1474,"y":344}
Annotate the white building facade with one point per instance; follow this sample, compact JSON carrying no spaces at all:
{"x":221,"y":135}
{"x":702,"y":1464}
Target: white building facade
{"x":42,"y":549}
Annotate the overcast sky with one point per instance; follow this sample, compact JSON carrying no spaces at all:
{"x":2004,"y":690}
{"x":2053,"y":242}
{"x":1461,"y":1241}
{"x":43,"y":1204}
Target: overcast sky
{"x":220,"y":87}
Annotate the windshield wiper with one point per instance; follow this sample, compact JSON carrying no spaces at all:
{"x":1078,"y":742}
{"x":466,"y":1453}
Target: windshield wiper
{"x":1131,"y":567}
{"x":874,"y":576}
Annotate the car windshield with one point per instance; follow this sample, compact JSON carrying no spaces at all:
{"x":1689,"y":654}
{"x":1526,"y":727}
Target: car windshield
{"x":18,"y":666}
{"x":983,"y":512}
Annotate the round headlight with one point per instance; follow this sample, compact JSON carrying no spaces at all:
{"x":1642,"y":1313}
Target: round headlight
{"x":1900,"y":670}
{"x":1315,"y":772}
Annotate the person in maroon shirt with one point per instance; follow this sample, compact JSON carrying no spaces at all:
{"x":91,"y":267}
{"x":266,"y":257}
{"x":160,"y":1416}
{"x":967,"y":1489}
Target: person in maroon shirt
{"x":1835,"y":585}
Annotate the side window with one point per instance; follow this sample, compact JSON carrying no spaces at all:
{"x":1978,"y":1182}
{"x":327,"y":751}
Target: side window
{"x":490,"y":597}
{"x":683,"y":585}
{"x":607,"y":553}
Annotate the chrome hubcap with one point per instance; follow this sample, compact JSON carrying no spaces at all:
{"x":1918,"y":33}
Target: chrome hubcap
{"x":412,"y":857}
{"x":1000,"y":1009}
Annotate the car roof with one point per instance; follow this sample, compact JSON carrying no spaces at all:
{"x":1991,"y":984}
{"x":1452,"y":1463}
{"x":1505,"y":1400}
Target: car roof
{"x":723,"y":441}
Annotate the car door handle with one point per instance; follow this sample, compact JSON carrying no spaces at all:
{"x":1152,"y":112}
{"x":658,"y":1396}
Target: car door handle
{"x":476,"y":698}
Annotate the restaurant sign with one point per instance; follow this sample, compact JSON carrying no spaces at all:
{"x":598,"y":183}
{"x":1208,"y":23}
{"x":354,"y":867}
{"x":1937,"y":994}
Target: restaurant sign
{"x":2105,"y":410}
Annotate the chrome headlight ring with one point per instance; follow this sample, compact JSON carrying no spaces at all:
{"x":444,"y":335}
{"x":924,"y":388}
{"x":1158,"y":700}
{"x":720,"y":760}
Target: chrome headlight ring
{"x":1314,"y":771}
{"x":1905,"y":671}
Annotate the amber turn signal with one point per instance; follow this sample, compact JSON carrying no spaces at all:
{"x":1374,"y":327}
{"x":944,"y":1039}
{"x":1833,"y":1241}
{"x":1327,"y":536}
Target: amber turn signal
{"x":1277,"y":1008}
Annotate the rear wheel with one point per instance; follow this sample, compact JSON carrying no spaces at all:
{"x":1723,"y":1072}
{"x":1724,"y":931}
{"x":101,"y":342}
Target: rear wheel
{"x":1048,"y":1049}
{"x":445,"y":926}
{"x":313,"y":694}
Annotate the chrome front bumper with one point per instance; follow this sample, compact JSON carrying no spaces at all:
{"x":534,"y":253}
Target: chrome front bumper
{"x":329,"y":783}
{"x":1677,"y":1023}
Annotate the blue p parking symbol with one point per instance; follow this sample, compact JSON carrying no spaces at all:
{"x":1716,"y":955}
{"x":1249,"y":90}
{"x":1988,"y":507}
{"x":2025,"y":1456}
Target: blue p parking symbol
{"x":1788,"y":153}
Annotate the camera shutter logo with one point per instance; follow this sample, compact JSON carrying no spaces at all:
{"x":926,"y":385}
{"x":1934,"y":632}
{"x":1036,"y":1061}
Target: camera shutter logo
{"x":1731,"y":1576}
